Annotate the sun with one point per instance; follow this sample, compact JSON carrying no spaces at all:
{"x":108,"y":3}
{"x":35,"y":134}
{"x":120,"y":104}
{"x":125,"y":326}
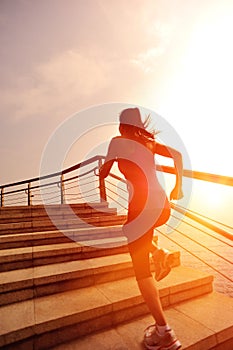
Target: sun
{"x":212,"y":195}
{"x":199,"y":94}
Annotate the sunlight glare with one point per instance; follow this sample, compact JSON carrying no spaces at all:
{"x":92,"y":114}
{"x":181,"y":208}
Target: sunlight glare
{"x":200,"y":94}
{"x":212,"y":195}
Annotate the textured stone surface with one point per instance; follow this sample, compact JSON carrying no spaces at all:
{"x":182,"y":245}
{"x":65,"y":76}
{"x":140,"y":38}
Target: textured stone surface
{"x":186,"y":319}
{"x":119,"y":300}
{"x":97,"y":292}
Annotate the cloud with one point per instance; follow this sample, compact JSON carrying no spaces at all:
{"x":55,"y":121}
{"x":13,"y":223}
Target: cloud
{"x":161,"y":34}
{"x":73,"y":71}
{"x":108,"y":63}
{"x":71,"y":80}
{"x":53,"y":84}
{"x":147,"y":60}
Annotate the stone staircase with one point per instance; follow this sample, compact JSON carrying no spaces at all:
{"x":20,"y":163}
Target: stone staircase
{"x":75,"y":288}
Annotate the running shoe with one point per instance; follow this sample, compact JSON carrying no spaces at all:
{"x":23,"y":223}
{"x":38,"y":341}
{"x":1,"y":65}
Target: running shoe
{"x":154,"y":341}
{"x":162,"y":260}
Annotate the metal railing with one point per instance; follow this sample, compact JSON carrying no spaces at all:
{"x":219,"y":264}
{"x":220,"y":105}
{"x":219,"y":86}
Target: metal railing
{"x":58,"y":187}
{"x":62,"y":185}
{"x":200,"y":239}
{"x":80,"y":183}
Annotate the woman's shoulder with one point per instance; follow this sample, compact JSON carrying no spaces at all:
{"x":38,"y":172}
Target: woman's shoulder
{"x":151,"y":145}
{"x":121,"y":145}
{"x":115,"y":140}
{"x":118,"y":139}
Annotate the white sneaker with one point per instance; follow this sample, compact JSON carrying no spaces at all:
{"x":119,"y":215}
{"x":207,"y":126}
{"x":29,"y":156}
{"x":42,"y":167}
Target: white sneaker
{"x":154,"y":341}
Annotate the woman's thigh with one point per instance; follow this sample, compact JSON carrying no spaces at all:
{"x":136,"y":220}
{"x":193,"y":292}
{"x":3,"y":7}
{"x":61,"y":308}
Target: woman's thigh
{"x":140,"y":254}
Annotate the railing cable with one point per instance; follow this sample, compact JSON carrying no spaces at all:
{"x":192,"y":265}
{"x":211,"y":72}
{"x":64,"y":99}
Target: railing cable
{"x":203,"y":221}
{"x":122,"y":189}
{"x":120,"y":204}
{"x":200,"y":244}
{"x":199,"y":229}
{"x":193,"y":254}
{"x":117,"y":194}
{"x":205,"y":217}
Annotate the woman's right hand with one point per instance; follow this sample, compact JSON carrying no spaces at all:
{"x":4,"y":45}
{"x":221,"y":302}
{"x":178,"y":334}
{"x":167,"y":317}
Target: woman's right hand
{"x":176,"y":193}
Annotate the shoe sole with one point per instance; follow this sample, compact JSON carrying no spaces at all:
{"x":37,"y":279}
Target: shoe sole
{"x":163,"y":267}
{"x":174,"y":346}
{"x":162,"y":274}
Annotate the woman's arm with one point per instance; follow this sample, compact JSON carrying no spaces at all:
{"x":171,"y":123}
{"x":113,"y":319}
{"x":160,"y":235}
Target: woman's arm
{"x":169,"y":152}
{"x":109,"y":159}
{"x":105,"y":169}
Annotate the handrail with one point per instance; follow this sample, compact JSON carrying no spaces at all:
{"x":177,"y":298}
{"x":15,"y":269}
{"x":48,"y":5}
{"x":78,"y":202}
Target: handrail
{"x":218,"y":179}
{"x":60,"y":182}
{"x":189,"y":214}
{"x":197,"y":240}
{"x":198,"y":175}
{"x":196,"y":217}
{"x":63,"y":172}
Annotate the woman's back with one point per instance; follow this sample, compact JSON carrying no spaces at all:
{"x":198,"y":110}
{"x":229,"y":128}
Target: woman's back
{"x":136,"y":161}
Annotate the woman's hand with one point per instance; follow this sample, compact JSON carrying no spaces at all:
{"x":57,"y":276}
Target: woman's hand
{"x":105,"y":169}
{"x":176,"y":193}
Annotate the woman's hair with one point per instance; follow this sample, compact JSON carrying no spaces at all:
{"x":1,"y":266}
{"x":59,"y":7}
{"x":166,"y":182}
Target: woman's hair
{"x":132,"y":125}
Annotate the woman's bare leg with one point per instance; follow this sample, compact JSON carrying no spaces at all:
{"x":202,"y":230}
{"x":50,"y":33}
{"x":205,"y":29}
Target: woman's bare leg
{"x":154,"y":247}
{"x":150,"y":294}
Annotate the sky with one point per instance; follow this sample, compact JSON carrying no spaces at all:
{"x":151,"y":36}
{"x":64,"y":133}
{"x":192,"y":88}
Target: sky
{"x":59,"y":57}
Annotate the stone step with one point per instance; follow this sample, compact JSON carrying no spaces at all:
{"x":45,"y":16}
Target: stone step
{"x":35,"y":209}
{"x":25,"y":257}
{"x":27,"y":283}
{"x":62,"y":224}
{"x":194,"y":329}
{"x":62,"y":214}
{"x":50,"y":320}
{"x":19,"y":258}
{"x":30,"y":239}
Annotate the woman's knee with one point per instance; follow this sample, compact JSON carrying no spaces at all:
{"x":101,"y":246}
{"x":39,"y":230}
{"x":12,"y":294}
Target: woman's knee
{"x":141,"y":264}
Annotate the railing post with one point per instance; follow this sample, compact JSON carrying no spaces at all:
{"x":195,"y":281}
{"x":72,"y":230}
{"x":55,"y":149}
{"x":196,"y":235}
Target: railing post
{"x":103,"y":196}
{"x":2,"y":197}
{"x":62,"y":188}
{"x":29,"y":193}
